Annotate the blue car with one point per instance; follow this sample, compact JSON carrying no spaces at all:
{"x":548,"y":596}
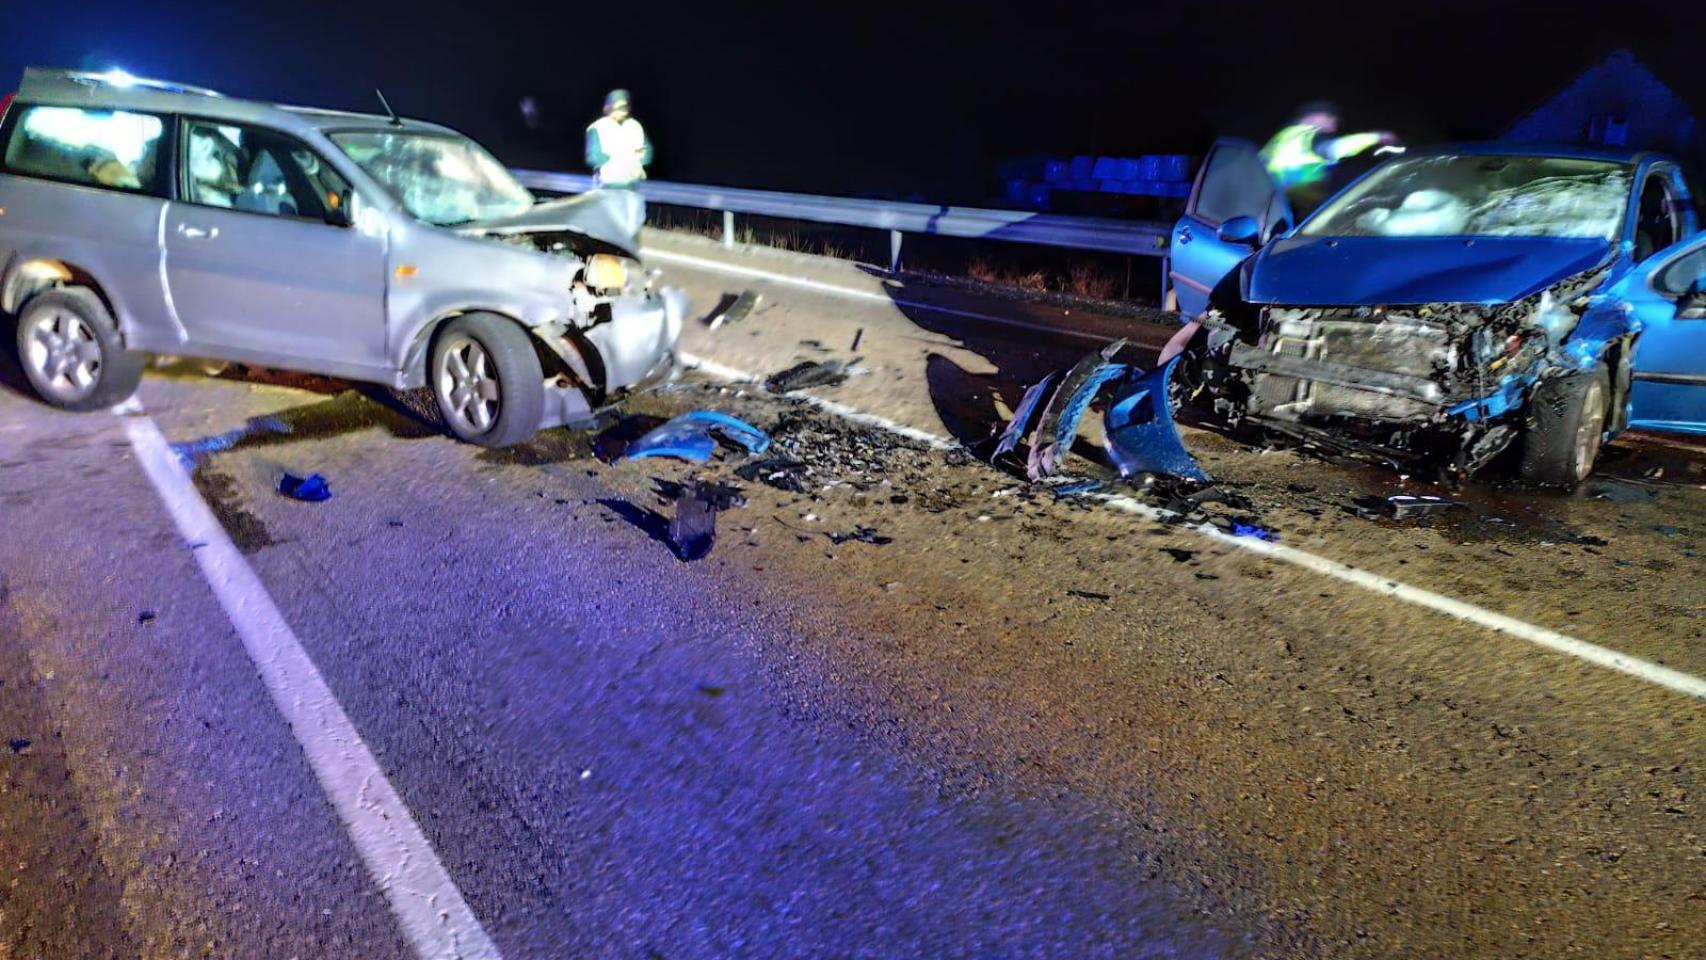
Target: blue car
{"x":1453,"y":303}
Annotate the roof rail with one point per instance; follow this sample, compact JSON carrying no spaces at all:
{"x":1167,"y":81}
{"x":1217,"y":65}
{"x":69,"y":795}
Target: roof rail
{"x":38,"y":80}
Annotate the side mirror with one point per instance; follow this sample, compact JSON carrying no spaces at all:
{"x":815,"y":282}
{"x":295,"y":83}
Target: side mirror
{"x":338,"y":209}
{"x":1244,"y":230}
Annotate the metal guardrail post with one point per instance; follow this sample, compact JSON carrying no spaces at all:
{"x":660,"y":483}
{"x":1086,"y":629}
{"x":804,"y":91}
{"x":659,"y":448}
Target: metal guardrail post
{"x":894,"y":251}
{"x":728,"y":228}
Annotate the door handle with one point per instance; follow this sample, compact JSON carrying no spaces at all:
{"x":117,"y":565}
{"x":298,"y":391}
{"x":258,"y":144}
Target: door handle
{"x":197,"y":233}
{"x":1185,"y":234}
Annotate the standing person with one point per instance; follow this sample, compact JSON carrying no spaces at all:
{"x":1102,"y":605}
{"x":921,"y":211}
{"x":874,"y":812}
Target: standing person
{"x":616,"y":145}
{"x":1300,"y":155}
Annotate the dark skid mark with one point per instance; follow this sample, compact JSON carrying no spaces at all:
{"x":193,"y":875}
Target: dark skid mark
{"x":546,"y":447}
{"x":244,"y":528}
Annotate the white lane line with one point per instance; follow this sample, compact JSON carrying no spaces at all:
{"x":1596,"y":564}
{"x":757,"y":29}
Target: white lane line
{"x":688,"y":260}
{"x":1552,"y":640}
{"x":430,"y":910}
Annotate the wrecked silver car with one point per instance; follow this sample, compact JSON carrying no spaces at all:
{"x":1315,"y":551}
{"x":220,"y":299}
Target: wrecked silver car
{"x":146,"y":217}
{"x":1451,"y":304}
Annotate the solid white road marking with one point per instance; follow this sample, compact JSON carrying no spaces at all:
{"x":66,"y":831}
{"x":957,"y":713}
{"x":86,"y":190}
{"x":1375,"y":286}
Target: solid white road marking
{"x":429,"y":908}
{"x":819,"y":286}
{"x":1385,"y":586}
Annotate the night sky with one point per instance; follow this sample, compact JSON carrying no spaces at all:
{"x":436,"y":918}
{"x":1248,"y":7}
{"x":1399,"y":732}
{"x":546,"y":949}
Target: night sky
{"x":891,"y":99}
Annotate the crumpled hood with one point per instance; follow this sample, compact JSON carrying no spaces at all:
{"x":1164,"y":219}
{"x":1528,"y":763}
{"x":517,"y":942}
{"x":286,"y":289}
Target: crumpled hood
{"x":1375,"y":271}
{"x":610,"y":217}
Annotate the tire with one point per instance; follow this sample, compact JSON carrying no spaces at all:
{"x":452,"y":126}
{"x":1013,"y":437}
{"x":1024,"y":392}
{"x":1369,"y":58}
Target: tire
{"x":71,"y":352}
{"x":1566,"y":428}
{"x":487,"y":380}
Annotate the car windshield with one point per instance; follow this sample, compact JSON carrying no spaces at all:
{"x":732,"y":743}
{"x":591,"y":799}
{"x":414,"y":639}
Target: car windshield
{"x":1480,"y":196}
{"x":441,"y":179}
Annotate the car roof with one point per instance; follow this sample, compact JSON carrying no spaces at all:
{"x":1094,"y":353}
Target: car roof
{"x":1572,"y":151}
{"x":120,"y":91}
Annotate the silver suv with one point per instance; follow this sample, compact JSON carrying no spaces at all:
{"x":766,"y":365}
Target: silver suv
{"x":143,"y":217}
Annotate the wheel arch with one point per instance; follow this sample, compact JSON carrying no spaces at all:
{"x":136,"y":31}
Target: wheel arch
{"x":27,"y":276}
{"x":561,"y":350}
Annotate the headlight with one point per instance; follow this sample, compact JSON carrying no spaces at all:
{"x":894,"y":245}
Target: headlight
{"x":605,"y":272}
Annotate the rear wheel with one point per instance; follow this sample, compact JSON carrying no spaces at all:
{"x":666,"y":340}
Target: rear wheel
{"x":71,"y":351}
{"x":487,"y":380}
{"x":1567,"y":426}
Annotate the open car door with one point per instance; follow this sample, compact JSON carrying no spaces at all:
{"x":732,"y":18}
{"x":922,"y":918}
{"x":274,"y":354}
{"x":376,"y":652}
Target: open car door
{"x":1235,"y":207}
{"x":1668,"y":294}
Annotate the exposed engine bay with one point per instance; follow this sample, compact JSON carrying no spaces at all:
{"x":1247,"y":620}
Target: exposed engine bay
{"x":1443,"y":381}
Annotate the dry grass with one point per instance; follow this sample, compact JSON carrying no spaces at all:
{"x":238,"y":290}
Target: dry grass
{"x":1089,"y":281}
{"x":982,"y":271}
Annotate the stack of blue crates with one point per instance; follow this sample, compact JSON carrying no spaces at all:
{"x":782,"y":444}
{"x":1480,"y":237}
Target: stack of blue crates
{"x":1153,"y":175}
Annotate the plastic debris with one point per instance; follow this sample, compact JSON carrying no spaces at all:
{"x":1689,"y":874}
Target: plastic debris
{"x":688,"y":437}
{"x":693,"y":528}
{"x":309,"y":489}
{"x":1075,"y":488}
{"x":190,"y":452}
{"x":1024,"y":415}
{"x":1240,"y":529}
{"x":858,"y":335}
{"x":1089,"y":595}
{"x":779,"y":472}
{"x":1059,"y":423}
{"x":861,"y":534}
{"x":1141,"y":435}
{"x":810,"y":373}
{"x":734,"y":308}
{"x":1403,"y":506}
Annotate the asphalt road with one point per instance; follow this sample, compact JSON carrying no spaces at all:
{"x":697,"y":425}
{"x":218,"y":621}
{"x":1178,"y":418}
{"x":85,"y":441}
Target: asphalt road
{"x":1017,"y":728}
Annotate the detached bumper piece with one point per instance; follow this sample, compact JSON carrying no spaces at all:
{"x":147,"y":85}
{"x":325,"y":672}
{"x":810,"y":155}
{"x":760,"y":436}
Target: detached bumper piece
{"x":1138,"y":419}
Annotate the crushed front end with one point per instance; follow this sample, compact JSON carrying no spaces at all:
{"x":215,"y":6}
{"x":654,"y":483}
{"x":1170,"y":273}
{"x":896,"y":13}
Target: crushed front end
{"x":1443,"y":382}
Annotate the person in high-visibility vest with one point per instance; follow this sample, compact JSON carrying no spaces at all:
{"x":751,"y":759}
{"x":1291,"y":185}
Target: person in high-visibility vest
{"x":616,"y":145}
{"x":1299,"y":156}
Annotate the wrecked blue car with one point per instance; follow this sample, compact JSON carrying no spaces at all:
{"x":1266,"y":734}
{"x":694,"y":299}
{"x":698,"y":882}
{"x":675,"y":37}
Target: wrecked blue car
{"x":1451,"y":304}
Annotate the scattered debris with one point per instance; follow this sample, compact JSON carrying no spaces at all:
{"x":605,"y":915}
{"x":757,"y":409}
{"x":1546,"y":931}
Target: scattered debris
{"x":1075,"y":488}
{"x":1622,"y":491}
{"x":1179,"y":554}
{"x":693,"y":529}
{"x":1243,"y":529}
{"x":1023,"y":416}
{"x":688,"y":437}
{"x":1404,"y":506}
{"x":146,"y":616}
{"x":1066,"y":406}
{"x":19,"y":744}
{"x":858,"y":335}
{"x":309,"y":489}
{"x":192,"y":451}
{"x":861,"y":534}
{"x":810,"y":373}
{"x":1141,"y":435}
{"x":779,"y":472}
{"x":1089,"y":595}
{"x":733,"y":308}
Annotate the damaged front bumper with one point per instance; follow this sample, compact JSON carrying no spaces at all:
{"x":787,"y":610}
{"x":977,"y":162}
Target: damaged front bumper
{"x":1438,"y":381}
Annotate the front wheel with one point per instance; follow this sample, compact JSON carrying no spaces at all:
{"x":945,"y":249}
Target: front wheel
{"x":487,"y":380}
{"x":1567,"y":426}
{"x":71,"y":351}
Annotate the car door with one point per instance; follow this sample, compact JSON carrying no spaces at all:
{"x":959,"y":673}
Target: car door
{"x":1233,"y":182}
{"x":1668,"y":295}
{"x":261,"y":260}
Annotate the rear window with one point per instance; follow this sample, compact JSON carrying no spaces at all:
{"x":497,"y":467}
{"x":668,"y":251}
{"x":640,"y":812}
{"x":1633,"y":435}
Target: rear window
{"x":115,"y":149}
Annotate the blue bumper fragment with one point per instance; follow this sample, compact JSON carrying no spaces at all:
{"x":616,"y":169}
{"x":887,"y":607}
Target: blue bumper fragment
{"x":688,"y":437}
{"x":1141,"y":435}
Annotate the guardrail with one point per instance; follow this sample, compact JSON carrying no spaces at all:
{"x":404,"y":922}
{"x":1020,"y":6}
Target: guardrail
{"x":1139,"y":238}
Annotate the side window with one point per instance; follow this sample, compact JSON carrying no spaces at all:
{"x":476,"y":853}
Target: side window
{"x":1685,"y":277}
{"x":1234,"y":184}
{"x":256,"y":170}
{"x":1658,"y":221}
{"x":98,"y":148}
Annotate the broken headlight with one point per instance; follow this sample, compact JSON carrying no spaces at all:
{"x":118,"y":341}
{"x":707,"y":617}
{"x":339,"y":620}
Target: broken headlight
{"x":606,"y":272}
